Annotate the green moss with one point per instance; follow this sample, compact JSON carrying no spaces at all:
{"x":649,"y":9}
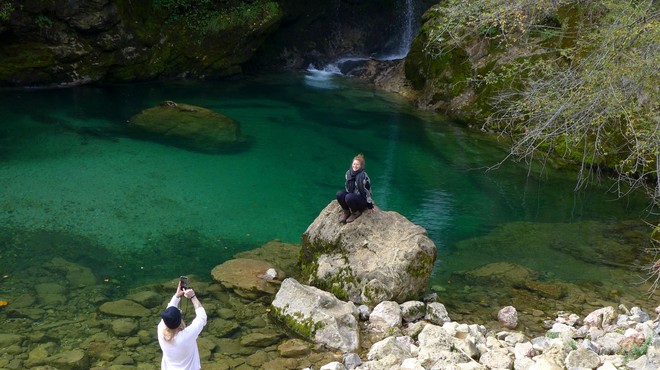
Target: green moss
{"x":372,"y":295}
{"x":341,"y":283}
{"x":311,"y":251}
{"x":422,"y":266}
{"x":26,"y":62}
{"x":248,"y":16}
{"x":304,"y":327}
{"x":413,"y":64}
{"x":416,"y":311}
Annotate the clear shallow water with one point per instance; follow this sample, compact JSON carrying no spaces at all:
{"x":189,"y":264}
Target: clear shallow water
{"x":135,"y":210}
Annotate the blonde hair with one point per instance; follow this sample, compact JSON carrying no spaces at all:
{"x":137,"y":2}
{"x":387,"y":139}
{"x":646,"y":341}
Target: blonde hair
{"x":168,"y":334}
{"x":359,"y":158}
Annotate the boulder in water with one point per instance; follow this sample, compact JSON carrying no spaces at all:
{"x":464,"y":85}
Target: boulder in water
{"x":379,"y":257}
{"x":247,"y":277}
{"x":188,"y":126}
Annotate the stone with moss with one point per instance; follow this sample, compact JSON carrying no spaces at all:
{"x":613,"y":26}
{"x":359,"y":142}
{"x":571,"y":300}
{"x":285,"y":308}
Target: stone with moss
{"x":316,"y":315}
{"x":188,"y":126}
{"x":379,"y":257}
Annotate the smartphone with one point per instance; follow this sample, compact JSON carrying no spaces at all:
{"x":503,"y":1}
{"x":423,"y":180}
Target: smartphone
{"x":184,"y":282}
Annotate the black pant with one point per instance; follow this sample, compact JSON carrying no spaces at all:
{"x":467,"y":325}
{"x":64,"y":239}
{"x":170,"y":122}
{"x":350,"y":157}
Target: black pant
{"x":351,"y":201}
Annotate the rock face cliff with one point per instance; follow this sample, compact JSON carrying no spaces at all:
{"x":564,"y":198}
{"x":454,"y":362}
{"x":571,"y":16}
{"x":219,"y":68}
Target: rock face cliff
{"x":467,"y":53}
{"x":378,"y":257}
{"x":69,"y":42}
{"x":73,"y":42}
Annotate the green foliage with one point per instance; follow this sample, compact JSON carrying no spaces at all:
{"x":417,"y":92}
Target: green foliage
{"x":545,"y":33}
{"x":652,"y":269}
{"x":572,"y":343}
{"x":211,"y":17}
{"x":245,"y":15}
{"x":181,"y":6}
{"x":637,"y":351}
{"x":597,"y":102}
{"x":5,"y":10}
{"x":487,"y":30}
{"x":192,"y":13}
{"x":456,"y":22}
{"x":552,"y":335}
{"x":43,"y":22}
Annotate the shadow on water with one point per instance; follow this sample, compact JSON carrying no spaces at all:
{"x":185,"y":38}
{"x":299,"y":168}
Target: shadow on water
{"x":25,"y":252}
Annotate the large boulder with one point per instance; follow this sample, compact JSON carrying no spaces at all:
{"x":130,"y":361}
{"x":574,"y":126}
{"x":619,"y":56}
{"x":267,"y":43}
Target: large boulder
{"x":379,"y":257}
{"x":188,"y":126}
{"x":317,"y":315}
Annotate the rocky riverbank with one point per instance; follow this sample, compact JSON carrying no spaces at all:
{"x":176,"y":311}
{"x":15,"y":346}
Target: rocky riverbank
{"x":421,"y":335}
{"x":61,"y":316}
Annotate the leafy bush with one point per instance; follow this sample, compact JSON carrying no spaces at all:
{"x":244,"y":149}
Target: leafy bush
{"x":43,"y":22}
{"x":596,"y":104}
{"x":247,"y":15}
{"x":208,"y":16}
{"x":190,"y":11}
{"x":506,"y":21}
{"x":637,"y":351}
{"x":5,"y":10}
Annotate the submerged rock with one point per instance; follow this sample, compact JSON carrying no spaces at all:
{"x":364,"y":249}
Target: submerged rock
{"x":378,"y":257}
{"x":77,"y":275}
{"x":189,"y":126}
{"x":74,"y":359}
{"x":247,"y":277}
{"x":497,"y":273}
{"x":124,"y":308}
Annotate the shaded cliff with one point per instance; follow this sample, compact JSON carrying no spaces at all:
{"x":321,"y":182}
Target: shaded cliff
{"x":63,"y":42}
{"x":71,"y":42}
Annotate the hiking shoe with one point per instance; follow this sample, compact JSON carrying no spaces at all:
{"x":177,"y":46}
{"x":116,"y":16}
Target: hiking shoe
{"x":344,"y":215}
{"x":353,"y":216}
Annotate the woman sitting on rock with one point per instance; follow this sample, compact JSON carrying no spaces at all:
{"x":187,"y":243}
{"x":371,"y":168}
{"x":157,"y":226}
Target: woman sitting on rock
{"x":357,"y":194}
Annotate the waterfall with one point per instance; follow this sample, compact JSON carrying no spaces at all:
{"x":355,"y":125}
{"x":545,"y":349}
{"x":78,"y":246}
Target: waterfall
{"x":407,"y":26}
{"x":408,"y":30}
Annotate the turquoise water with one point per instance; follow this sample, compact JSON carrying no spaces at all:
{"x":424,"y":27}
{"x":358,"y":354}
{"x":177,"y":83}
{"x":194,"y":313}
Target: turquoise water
{"x":75,"y":185}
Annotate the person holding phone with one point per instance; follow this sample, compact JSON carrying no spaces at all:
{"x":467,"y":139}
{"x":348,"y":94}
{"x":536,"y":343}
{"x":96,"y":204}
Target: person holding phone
{"x":178,"y":341}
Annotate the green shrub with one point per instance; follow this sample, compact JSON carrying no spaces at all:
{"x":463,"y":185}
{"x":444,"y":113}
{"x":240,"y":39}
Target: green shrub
{"x":5,"y":10}
{"x":245,"y":15}
{"x":43,"y":22}
{"x":637,"y":351}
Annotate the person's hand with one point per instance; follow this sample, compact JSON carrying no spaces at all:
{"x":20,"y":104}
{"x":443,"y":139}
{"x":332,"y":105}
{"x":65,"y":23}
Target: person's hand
{"x":370,"y":211}
{"x":189,"y":293}
{"x":179,"y":291}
